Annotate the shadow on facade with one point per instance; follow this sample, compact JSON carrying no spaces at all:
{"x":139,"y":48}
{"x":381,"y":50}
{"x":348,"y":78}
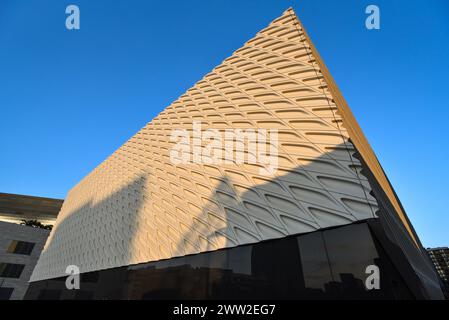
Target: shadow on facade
{"x":97,"y":233}
{"x":324,"y":264}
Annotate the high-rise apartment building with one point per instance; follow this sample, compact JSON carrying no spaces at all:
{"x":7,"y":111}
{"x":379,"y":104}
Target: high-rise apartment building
{"x":440,"y":258}
{"x":308,"y":214}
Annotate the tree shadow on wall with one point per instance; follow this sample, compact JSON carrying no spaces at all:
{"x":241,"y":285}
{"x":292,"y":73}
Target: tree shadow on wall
{"x":320,"y":194}
{"x":101,"y":235}
{"x":96,"y":236}
{"x":290,"y":203}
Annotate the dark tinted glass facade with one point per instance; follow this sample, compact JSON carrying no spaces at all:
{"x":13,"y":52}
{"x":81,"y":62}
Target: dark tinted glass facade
{"x":328,"y":264}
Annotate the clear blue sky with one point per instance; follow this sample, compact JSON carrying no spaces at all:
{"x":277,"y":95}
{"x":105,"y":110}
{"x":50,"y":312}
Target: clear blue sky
{"x":68,"y":99}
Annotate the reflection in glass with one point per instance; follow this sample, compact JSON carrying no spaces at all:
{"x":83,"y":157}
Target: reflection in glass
{"x":315,"y":265}
{"x":327,"y":264}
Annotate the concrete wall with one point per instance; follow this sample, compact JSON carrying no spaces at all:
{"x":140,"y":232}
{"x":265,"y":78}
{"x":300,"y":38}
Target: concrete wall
{"x":10,"y":232}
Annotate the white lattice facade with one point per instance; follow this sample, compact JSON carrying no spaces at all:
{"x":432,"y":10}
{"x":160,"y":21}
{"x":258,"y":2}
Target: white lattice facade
{"x":137,"y":206}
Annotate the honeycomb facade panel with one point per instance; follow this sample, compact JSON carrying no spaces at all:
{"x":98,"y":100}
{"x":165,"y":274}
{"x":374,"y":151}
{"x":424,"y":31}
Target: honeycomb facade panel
{"x":138,"y":206}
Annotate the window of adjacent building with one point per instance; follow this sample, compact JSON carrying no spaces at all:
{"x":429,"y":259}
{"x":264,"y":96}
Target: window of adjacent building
{"x":5,"y":293}
{"x":21,"y":247}
{"x":11,"y":270}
